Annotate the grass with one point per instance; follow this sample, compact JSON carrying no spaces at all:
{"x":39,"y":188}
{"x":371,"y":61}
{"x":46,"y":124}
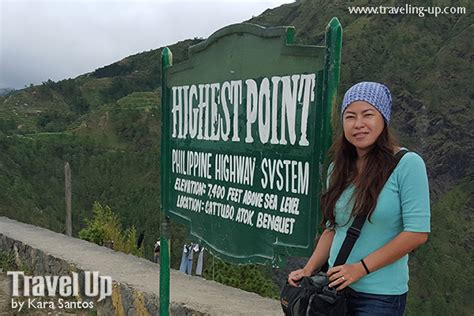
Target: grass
{"x":7,"y":261}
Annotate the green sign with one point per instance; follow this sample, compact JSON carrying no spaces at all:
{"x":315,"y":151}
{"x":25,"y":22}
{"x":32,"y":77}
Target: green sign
{"x":246,"y":125}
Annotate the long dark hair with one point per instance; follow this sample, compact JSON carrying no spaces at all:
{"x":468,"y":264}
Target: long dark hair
{"x":378,"y":165}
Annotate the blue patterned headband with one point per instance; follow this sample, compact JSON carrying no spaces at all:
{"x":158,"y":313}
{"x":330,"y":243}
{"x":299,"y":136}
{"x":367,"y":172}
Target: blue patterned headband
{"x":374,"y":93}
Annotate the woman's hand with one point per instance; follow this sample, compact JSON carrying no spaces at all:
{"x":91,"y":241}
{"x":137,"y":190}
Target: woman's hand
{"x":296,"y":275}
{"x":344,"y":275}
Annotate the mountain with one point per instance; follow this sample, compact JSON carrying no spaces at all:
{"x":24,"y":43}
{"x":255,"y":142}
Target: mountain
{"x":106,"y":123}
{"x":4,"y":91}
{"x":427,"y":63}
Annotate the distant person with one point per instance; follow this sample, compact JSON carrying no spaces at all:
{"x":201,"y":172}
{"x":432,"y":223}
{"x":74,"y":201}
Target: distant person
{"x":140,"y":239}
{"x":156,"y":257}
{"x":375,"y":275}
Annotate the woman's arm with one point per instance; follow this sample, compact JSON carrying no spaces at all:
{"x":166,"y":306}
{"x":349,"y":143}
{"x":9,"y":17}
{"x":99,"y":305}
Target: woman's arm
{"x":395,"y":249}
{"x":318,"y":258}
{"x":344,"y":275}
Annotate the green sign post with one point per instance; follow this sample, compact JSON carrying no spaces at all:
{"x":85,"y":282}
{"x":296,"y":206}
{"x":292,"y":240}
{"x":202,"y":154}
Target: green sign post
{"x":245,"y":130}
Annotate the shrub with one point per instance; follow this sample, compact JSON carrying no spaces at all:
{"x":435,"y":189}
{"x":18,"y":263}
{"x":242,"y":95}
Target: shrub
{"x":105,"y":227}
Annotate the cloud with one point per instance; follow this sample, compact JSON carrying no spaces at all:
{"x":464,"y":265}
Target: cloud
{"x":47,"y":39}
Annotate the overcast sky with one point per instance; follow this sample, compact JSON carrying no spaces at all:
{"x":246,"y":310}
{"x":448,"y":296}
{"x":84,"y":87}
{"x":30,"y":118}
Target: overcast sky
{"x":59,"y":39}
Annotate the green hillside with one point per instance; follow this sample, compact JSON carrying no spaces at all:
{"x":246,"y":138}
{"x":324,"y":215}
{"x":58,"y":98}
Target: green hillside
{"x":427,"y":63}
{"x":106,"y":124}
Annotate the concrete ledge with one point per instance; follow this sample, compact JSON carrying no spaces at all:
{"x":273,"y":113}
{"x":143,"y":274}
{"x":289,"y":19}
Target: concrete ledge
{"x":135,"y":280}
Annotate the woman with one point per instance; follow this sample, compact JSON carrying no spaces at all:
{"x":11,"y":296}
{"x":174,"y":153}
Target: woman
{"x":397,"y":205}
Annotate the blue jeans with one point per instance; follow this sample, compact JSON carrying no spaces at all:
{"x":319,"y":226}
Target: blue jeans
{"x":363,"y":304}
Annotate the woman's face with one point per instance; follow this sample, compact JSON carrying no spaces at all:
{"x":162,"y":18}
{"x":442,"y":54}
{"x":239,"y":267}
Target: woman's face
{"x":362,"y":124}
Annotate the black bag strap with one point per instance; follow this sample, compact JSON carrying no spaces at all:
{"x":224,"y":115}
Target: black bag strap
{"x":354,"y":231}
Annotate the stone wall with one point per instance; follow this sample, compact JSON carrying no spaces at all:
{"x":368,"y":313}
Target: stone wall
{"x":135,"y":280}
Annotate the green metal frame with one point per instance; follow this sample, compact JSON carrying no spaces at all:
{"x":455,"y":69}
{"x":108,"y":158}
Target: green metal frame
{"x":331,"y":83}
{"x":166,"y":62}
{"x":323,"y":61}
